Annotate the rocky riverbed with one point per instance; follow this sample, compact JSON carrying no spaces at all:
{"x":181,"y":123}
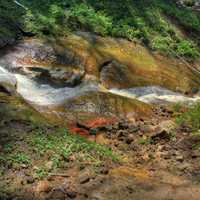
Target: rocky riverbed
{"x":155,"y":158}
{"x":123,"y":101}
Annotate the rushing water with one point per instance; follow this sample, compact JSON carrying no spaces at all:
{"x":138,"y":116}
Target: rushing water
{"x":6,"y":77}
{"x":154,"y":94}
{"x":44,"y":94}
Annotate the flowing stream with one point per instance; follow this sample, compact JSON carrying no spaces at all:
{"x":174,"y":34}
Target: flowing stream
{"x":44,"y":94}
{"x":154,"y":94}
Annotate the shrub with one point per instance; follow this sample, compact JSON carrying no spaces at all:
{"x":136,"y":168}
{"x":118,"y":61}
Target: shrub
{"x":86,"y":17}
{"x":189,"y":3}
{"x":147,"y":21}
{"x":191,"y":118}
{"x":187,"y":49}
{"x":163,"y":44}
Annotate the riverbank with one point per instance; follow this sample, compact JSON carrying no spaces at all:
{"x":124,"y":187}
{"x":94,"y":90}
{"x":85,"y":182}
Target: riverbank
{"x":152,"y":158}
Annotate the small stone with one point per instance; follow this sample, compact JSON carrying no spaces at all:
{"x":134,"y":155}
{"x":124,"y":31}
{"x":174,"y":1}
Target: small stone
{"x":165,"y":155}
{"x":121,"y":133}
{"x":123,"y":125}
{"x":180,"y":158}
{"x":115,"y":126}
{"x":147,"y":128}
{"x":71,"y":194}
{"x":130,"y":139}
{"x":109,"y":127}
{"x":84,"y":179}
{"x":35,"y":168}
{"x":184,"y":166}
{"x":161,"y":147}
{"x":24,"y":166}
{"x":195,"y":154}
{"x":30,"y":180}
{"x":49,"y":165}
{"x":104,"y":171}
{"x":163,"y":135}
{"x":72,"y":158}
{"x":134,"y":129}
{"x":57,"y":195}
{"x":43,"y":186}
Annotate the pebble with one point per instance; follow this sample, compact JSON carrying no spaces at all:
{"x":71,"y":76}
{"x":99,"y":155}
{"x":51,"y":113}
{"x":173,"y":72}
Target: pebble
{"x":57,"y":195}
{"x":71,"y":194}
{"x":84,"y":179}
{"x":130,"y":139}
{"x":195,"y":154}
{"x":30,"y":180}
{"x":104,"y":171}
{"x":43,"y":186}
{"x":180,"y":158}
{"x":49,"y":165}
{"x":184,"y":166}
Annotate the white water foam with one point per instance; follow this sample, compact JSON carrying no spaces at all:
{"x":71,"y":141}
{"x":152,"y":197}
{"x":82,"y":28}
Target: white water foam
{"x":154,"y":94}
{"x":44,"y":94}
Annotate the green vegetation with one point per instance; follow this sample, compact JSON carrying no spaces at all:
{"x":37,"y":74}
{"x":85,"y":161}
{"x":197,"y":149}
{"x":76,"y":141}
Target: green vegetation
{"x":9,"y":12}
{"x":16,"y":158}
{"x":177,"y":107}
{"x":190,"y":3}
{"x":145,"y":141}
{"x":28,"y":141}
{"x":63,"y":145}
{"x":147,"y":21}
{"x":56,"y":146}
{"x":41,"y":173}
{"x":191,"y":118}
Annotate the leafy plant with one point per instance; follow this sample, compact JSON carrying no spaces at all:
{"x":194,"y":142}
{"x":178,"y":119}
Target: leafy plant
{"x":187,"y":49}
{"x":177,"y":107}
{"x":147,"y":21}
{"x":145,"y":141}
{"x":191,"y":118}
{"x":41,"y":173}
{"x":64,"y":144}
{"x":20,"y":158}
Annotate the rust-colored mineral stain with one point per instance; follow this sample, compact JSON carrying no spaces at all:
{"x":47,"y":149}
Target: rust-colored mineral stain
{"x":100,"y":122}
{"x":91,"y":124}
{"x":79,"y":131}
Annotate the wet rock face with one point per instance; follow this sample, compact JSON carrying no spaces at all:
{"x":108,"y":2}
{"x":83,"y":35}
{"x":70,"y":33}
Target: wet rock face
{"x":113,"y":62}
{"x":57,"y":76}
{"x":6,"y":41}
{"x":122,"y":64}
{"x":44,"y":62}
{"x":68,"y":79}
{"x":94,"y":105}
{"x":115,"y":75}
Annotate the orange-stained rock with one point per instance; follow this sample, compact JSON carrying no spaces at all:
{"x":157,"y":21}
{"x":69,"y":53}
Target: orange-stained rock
{"x":114,"y":62}
{"x":84,"y":59}
{"x":123,"y":171}
{"x":43,"y":186}
{"x":95,"y":109}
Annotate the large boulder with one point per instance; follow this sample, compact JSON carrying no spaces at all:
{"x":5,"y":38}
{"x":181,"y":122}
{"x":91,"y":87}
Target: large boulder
{"x":85,"y":57}
{"x":93,"y":105}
